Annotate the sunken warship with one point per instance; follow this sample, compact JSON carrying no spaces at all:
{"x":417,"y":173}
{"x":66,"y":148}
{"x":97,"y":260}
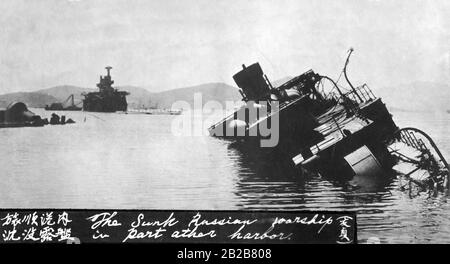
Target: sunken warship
{"x":107,"y":99}
{"x":67,"y":105}
{"x":18,"y":115}
{"x":341,"y":133}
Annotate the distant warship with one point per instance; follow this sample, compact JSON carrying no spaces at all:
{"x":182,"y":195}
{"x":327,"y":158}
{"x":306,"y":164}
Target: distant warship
{"x":107,"y":99}
{"x":67,"y":105}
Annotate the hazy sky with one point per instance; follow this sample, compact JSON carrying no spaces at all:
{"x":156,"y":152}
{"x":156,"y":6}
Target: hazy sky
{"x":167,"y":44}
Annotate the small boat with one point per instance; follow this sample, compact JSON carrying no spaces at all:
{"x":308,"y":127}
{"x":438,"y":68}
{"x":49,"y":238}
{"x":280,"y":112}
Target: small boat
{"x":63,"y":106}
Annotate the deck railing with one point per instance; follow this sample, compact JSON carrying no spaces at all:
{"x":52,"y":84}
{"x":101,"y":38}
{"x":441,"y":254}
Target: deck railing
{"x":364,"y":94}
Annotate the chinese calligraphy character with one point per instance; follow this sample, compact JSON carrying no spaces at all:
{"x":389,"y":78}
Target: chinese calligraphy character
{"x":64,"y":234}
{"x":64,"y":218}
{"x":47,"y":234}
{"x":343,"y":236}
{"x":47,"y":219}
{"x":30,"y":219}
{"x":29,"y":235}
{"x":11,"y":219}
{"x":9,"y":235}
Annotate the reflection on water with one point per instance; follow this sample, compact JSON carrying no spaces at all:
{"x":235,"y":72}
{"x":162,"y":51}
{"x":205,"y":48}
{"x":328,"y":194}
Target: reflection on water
{"x":134,"y":161}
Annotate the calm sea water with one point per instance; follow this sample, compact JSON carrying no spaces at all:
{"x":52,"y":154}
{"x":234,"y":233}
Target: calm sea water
{"x":134,"y":161}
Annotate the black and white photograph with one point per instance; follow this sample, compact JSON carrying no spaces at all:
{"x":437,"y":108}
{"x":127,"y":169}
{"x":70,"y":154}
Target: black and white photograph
{"x":225,"y":122}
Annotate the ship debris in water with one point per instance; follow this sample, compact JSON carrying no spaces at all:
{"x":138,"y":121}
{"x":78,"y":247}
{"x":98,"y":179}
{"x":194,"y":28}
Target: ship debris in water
{"x":67,"y":105}
{"x":18,"y":115}
{"x":107,"y":99}
{"x":57,"y":120}
{"x":342,"y":133}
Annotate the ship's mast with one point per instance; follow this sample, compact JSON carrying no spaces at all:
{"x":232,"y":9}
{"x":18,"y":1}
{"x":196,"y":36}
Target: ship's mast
{"x":105,"y":81}
{"x":346,"y":78}
{"x":108,"y":69}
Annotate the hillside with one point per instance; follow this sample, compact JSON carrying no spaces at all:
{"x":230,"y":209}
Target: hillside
{"x":138,"y":98}
{"x":416,"y":96}
{"x":64,"y":91}
{"x":30,"y":99}
{"x":219,"y":92}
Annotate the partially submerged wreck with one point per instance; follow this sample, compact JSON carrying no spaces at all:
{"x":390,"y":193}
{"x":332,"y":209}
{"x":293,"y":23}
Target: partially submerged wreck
{"x":340,"y":133}
{"x":18,"y":115}
{"x":67,"y":105}
{"x":107,"y":99}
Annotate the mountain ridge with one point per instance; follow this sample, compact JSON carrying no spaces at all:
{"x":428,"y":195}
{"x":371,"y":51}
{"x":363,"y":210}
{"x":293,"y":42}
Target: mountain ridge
{"x":416,"y":96}
{"x":31,"y":99}
{"x":139,"y":97}
{"x":421,"y":96}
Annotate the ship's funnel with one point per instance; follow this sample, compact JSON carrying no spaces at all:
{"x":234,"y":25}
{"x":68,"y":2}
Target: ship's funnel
{"x":251,"y":80}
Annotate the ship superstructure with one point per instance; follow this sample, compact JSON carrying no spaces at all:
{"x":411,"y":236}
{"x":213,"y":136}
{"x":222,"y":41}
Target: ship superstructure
{"x":107,"y":99}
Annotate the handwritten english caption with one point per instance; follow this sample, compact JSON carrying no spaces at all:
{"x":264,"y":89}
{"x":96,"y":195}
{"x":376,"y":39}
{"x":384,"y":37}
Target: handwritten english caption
{"x":148,"y":226}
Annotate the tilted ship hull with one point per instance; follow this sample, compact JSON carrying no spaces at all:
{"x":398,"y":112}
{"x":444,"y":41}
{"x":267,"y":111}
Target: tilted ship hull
{"x":337,"y":134}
